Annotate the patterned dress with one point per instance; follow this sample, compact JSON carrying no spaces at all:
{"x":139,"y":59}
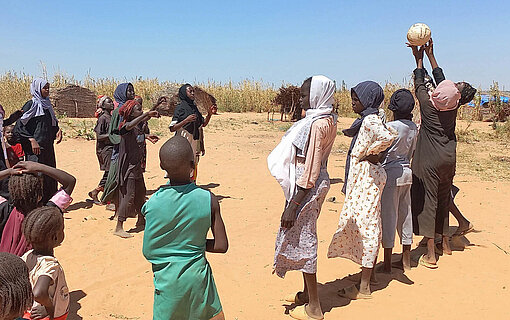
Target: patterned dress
{"x":359,"y":229}
{"x":296,"y":248}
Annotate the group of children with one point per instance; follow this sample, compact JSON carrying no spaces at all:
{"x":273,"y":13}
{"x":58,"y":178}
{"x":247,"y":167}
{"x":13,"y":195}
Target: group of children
{"x":382,"y":173}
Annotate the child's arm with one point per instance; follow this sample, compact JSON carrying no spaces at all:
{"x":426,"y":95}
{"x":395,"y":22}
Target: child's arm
{"x":8,"y":172}
{"x":144,"y":117}
{"x":65,"y":179}
{"x":13,"y":118}
{"x":219,"y":243}
{"x":42,"y":296}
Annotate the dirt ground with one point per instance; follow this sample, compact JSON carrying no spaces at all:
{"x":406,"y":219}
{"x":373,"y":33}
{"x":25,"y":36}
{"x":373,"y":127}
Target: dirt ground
{"x":109,"y":278}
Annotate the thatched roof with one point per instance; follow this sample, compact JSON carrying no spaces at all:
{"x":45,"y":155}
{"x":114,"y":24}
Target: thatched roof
{"x":203,"y":99}
{"x":74,"y":102}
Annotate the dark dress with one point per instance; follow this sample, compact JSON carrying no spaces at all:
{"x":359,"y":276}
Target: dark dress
{"x":130,"y":177}
{"x":42,"y":130}
{"x":433,"y":162}
{"x":104,"y":148}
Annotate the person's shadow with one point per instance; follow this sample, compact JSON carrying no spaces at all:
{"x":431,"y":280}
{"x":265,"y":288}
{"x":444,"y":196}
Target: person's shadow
{"x":75,"y":305}
{"x":80,"y":205}
{"x":328,"y":292}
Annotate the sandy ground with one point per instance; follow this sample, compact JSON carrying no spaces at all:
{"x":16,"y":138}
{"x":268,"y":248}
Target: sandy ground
{"x":109,"y":278}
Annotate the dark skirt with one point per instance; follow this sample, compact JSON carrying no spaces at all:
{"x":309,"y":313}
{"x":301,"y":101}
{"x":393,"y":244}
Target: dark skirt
{"x":131,"y":197}
{"x":104,"y":156}
{"x":47,"y":157}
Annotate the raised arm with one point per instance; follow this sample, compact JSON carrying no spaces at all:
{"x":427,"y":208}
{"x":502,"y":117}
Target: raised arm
{"x":219,"y":243}
{"x":144,"y":117}
{"x":437,"y":72}
{"x":13,"y":118}
{"x":65,"y":179}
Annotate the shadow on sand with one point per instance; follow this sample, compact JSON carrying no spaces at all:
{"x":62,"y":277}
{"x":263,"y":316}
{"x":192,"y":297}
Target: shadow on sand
{"x":75,"y":305}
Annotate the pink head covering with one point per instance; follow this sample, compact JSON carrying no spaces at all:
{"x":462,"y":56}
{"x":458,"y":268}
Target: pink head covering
{"x":446,"y":96}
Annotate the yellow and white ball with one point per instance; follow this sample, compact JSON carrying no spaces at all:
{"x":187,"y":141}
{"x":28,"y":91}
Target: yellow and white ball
{"x":418,"y":34}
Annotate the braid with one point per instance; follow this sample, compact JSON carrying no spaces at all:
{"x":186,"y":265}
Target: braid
{"x":26,"y":190}
{"x":41,"y":225}
{"x":15,"y":289}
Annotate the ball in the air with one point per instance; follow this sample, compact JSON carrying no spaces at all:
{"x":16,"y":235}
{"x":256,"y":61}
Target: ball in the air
{"x":418,"y":34}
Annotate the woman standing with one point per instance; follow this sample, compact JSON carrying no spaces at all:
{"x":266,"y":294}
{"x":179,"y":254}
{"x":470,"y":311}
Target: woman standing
{"x":188,"y":122}
{"x":38,"y":129}
{"x":299,"y":164}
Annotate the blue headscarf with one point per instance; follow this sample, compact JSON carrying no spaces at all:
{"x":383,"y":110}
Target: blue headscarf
{"x":39,"y":103}
{"x":371,"y":95}
{"x":120,"y":95}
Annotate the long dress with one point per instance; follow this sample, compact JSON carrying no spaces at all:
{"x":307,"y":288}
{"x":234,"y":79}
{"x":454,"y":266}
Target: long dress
{"x":296,"y":248}
{"x":434,"y":162}
{"x":44,"y":132}
{"x":359,"y":229}
{"x":174,"y":242}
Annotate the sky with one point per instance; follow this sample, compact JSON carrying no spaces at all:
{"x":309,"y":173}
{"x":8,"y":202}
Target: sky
{"x":273,"y":41}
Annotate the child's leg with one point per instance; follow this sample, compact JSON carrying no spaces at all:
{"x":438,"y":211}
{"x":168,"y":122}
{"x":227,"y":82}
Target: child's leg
{"x":444,"y":195}
{"x":461,"y":220}
{"x":389,"y":207}
{"x":313,"y":308}
{"x":405,"y":225}
{"x":126,"y":195}
{"x":366,"y":274}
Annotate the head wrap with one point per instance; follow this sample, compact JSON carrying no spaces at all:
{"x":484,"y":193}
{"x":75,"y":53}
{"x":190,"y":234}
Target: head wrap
{"x":402,"y":103}
{"x":120,"y":95}
{"x":282,"y":160}
{"x":39,"y":104}
{"x":371,"y":95}
{"x":186,"y":108}
{"x":126,"y":110}
{"x":446,"y":96}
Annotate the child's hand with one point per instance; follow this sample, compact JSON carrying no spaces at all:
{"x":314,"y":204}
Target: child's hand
{"x":417,"y":51}
{"x":152,"y":138}
{"x":38,"y":312}
{"x":14,"y":172}
{"x":160,"y":101}
{"x":429,"y":48}
{"x":27,"y":167}
{"x":289,"y":216}
{"x":153,"y":114}
{"x":190,"y":118}
{"x":372,"y":158}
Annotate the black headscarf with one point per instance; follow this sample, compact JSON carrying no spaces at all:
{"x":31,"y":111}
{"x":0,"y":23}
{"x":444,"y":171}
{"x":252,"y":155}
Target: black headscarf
{"x":402,"y":104}
{"x":186,"y":108}
{"x":371,"y":95}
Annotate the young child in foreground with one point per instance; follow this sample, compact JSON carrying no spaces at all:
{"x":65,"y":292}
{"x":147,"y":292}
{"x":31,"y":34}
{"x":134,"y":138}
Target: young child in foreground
{"x":26,"y":190}
{"x":15,"y":289}
{"x":13,"y":148}
{"x":178,"y":217}
{"x":44,"y":230}
{"x":396,"y":196}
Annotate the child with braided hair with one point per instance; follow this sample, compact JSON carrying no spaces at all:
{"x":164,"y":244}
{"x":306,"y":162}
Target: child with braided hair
{"x":26,"y":190}
{"x":15,"y":289}
{"x":43,"y":228}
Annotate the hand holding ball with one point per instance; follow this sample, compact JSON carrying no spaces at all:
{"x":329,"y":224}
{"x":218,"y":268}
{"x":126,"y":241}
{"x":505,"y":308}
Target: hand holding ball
{"x":419,"y":34}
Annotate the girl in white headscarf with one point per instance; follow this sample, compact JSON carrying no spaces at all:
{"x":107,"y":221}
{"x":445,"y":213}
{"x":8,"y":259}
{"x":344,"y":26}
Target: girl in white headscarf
{"x":38,"y":129}
{"x":299,"y":164}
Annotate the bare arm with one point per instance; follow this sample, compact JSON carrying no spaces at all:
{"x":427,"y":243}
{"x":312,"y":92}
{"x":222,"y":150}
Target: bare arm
{"x":42,"y":296}
{"x":65,"y":179}
{"x":289,"y":214}
{"x":8,"y":172}
{"x":144,"y":117}
{"x":429,"y":50}
{"x":209,"y":114}
{"x":219,"y":243}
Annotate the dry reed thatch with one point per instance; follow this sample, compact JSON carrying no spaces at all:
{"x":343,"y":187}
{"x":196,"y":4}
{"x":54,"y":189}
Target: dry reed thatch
{"x":203,"y":99}
{"x":74,"y":102}
{"x":288,"y":100}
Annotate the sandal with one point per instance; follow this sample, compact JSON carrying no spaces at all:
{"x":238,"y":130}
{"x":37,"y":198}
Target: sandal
{"x":353,"y":293}
{"x":301,"y":314}
{"x":427,"y":264}
{"x":294,"y":298}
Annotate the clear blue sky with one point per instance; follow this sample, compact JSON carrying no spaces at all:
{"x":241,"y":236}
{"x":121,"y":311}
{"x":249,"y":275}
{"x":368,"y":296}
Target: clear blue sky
{"x":270,"y":40}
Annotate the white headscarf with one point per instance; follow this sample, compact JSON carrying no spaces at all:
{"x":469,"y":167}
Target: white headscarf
{"x":39,"y":104}
{"x":282,"y":160}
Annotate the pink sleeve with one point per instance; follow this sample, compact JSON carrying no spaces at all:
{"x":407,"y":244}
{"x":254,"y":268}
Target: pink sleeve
{"x":61,"y":199}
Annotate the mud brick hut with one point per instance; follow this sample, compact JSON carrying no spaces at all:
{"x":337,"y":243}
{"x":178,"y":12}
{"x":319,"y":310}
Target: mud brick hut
{"x":203,"y":100}
{"x":74,"y":102}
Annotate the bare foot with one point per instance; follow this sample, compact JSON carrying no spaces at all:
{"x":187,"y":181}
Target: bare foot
{"x":93,"y":195}
{"x":123,"y":234}
{"x":137,"y":228}
{"x":315,"y":313}
{"x":446,"y":247}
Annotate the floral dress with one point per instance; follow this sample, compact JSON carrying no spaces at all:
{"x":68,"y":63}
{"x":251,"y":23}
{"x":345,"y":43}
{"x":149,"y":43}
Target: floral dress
{"x":359,"y":229}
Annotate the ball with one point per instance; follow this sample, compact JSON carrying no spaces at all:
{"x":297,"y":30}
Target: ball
{"x":418,"y":34}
